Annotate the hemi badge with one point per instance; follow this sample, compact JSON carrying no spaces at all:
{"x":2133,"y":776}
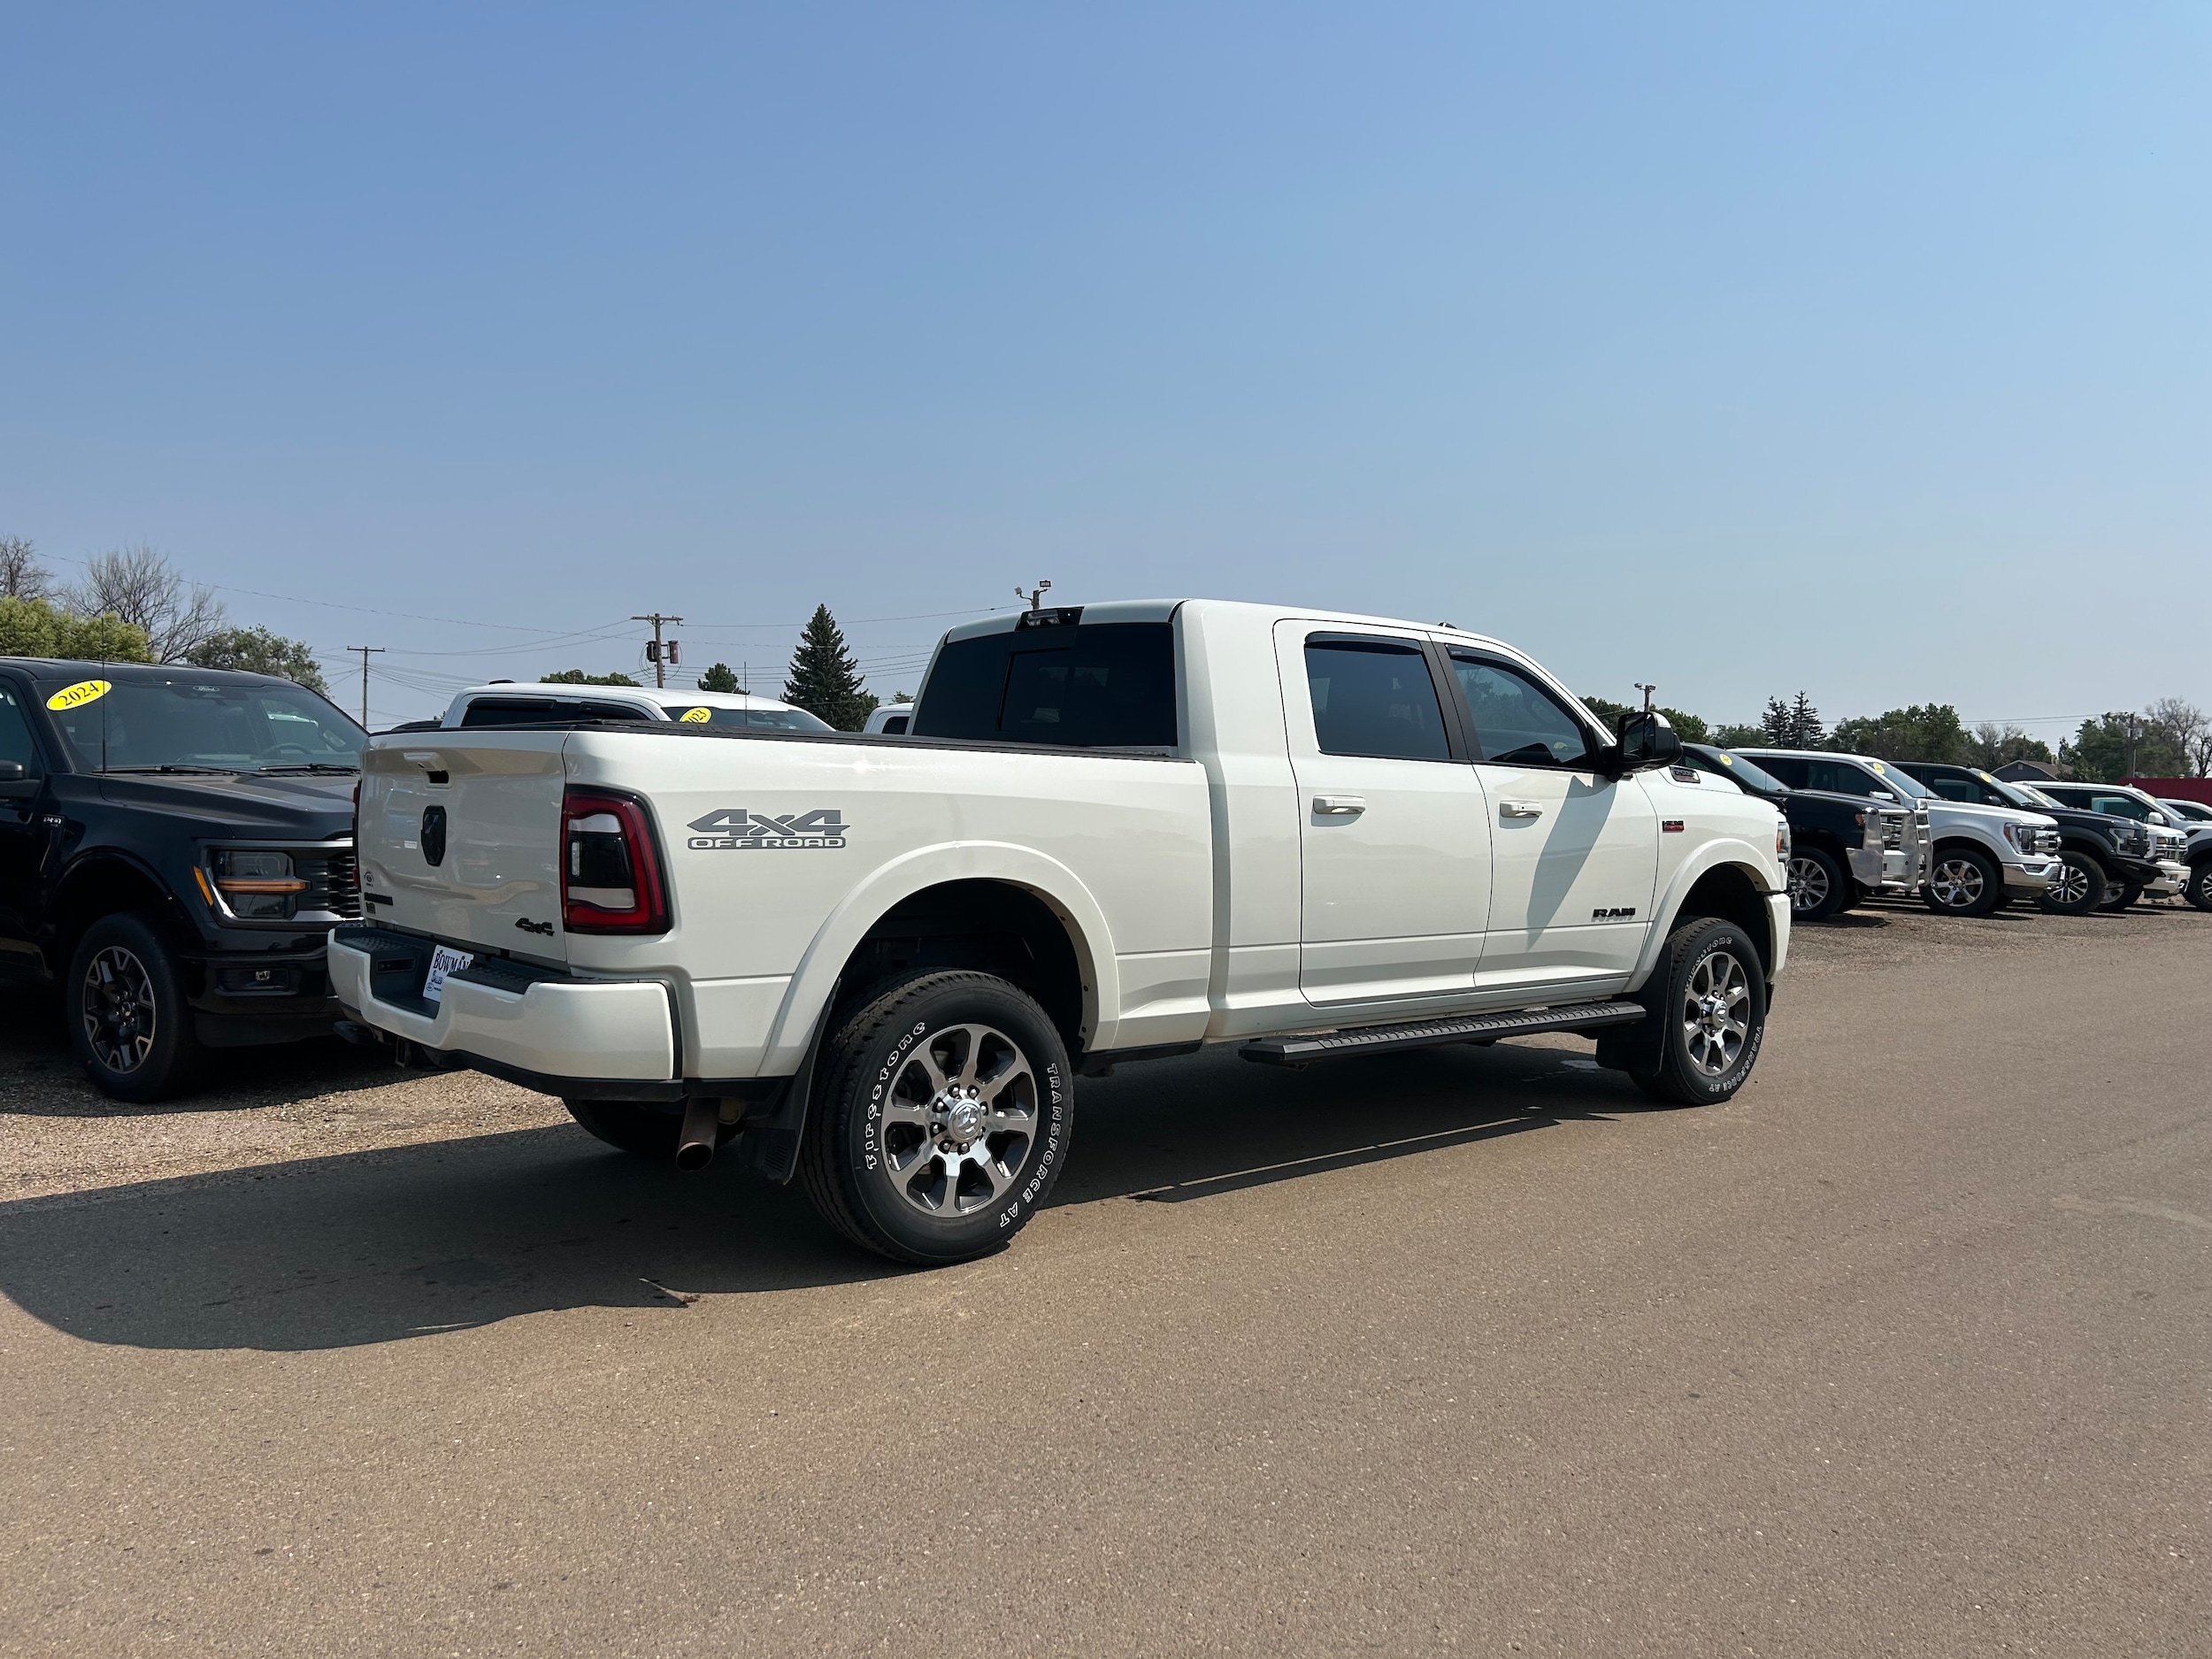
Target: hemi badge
{"x":1672,"y":825}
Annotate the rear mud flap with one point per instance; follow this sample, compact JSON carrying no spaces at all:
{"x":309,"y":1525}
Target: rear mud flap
{"x":772,"y":1136}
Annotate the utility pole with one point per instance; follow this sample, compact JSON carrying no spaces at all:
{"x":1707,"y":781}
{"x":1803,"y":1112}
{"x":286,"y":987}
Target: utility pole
{"x":366,"y":651}
{"x":657,"y":657}
{"x":1034,"y":596}
{"x":1647,"y":690}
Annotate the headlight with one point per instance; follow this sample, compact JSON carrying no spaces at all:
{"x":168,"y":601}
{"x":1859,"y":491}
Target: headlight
{"x":2020,"y":836}
{"x":1782,"y":841}
{"x":255,"y":884}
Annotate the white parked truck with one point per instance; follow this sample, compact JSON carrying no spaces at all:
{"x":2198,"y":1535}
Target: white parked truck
{"x":1113,"y":832}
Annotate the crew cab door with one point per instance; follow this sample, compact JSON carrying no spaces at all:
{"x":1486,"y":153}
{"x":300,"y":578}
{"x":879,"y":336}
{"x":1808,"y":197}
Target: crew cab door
{"x":1574,"y":854}
{"x":1394,"y":844}
{"x":23,"y":838}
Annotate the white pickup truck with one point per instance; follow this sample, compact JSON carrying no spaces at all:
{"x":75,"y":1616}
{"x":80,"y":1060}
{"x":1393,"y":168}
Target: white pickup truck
{"x":1114,"y":832}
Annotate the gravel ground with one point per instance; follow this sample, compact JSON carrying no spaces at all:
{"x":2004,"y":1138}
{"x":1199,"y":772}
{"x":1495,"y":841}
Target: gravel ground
{"x":58,"y":1134}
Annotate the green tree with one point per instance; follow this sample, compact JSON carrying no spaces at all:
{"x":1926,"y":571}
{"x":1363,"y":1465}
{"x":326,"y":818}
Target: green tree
{"x":721,"y":677}
{"x":260,"y":651}
{"x":32,"y":627}
{"x":1740,"y":736}
{"x":1929,"y":731}
{"x":1689,"y":727}
{"x":1793,"y":724}
{"x":1990,"y":746}
{"x":823,"y":679}
{"x":578,"y":677}
{"x":2122,"y":745}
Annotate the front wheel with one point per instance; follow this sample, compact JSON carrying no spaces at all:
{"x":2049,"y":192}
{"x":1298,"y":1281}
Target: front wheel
{"x":943,"y":1118}
{"x":1819,"y":886}
{"x":2076,"y":886}
{"x":1705,"y":1017}
{"x":125,"y":1010}
{"x":1965,"y":881}
{"x":2119,"y":895}
{"x":2199,"y":892}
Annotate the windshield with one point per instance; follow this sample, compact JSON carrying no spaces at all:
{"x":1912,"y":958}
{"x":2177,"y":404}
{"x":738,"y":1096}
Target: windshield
{"x":1735,"y":768}
{"x":2189,"y":812}
{"x":1903,"y":782}
{"x":752,"y":719}
{"x":189,"y":721}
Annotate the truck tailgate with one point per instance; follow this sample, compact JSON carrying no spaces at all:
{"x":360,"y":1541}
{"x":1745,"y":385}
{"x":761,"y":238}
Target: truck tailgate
{"x":460,"y":837}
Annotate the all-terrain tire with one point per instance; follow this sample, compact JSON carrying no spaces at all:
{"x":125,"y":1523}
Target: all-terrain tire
{"x":1963,"y":882}
{"x":1705,"y":1017}
{"x":649,"y":1129}
{"x":124,"y":1003}
{"x":1819,"y":886}
{"x":2076,"y":886}
{"x":941,"y":1118}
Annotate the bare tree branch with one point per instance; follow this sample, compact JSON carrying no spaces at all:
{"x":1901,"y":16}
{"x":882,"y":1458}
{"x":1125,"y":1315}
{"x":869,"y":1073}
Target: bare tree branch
{"x":140,"y":587}
{"x":21,"y":575}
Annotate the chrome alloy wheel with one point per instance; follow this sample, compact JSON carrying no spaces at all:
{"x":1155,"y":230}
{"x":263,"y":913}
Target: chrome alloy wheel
{"x":1958,"y":884}
{"x":960,"y":1120}
{"x":2069,"y":883}
{"x":1809,"y":885}
{"x":1712,"y":1008}
{"x":118,"y":1009}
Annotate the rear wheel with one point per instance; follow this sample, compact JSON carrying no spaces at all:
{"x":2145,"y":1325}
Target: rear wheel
{"x":125,"y":1010}
{"x":942,"y":1120}
{"x":1965,"y":881}
{"x":1818,"y":886}
{"x":649,"y":1129}
{"x":2076,"y":886}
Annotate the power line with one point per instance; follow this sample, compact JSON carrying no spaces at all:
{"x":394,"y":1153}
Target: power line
{"x":658,"y":655}
{"x":366,"y":651}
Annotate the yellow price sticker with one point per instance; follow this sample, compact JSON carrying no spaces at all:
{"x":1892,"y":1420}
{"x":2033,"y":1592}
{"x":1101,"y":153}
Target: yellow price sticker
{"x":77,"y":695}
{"x":696,"y":717}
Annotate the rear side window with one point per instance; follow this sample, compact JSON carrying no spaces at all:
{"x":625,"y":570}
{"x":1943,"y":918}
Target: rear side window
{"x":1374,"y":697}
{"x":1956,"y":789}
{"x":1103,"y":684}
{"x":15,"y":743}
{"x":1791,"y":771}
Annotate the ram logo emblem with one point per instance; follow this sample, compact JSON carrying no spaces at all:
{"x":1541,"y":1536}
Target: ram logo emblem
{"x":734,"y":829}
{"x":1617,"y":913}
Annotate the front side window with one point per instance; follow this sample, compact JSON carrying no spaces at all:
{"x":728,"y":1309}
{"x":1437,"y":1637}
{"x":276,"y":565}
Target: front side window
{"x":188,"y":722}
{"x":1840,"y":776}
{"x":1100,"y":685}
{"x":1374,"y":697}
{"x":1518,"y":723}
{"x":15,"y":743}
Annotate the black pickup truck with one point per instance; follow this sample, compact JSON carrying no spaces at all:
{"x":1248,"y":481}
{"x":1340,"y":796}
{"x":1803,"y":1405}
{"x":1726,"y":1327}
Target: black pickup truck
{"x":1834,"y":859}
{"x":175,"y":843}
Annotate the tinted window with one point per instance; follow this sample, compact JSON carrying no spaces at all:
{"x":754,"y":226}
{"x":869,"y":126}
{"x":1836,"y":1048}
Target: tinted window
{"x":752,"y":719}
{"x":895,"y":726}
{"x":2120,"y":806}
{"x":16,"y":743}
{"x":1750,"y":779}
{"x":1518,"y":723}
{"x":1789,"y":769}
{"x":534,"y":711}
{"x":1957,"y":789}
{"x":1840,"y":776}
{"x":1374,"y":697}
{"x":1102,"y":685}
{"x":183,"y":719}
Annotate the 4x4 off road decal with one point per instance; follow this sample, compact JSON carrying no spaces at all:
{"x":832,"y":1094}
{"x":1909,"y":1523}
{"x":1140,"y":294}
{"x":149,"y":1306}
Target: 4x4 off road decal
{"x":734,"y":830}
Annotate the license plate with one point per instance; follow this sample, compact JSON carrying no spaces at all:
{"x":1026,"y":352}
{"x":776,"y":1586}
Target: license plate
{"x":442,"y":962}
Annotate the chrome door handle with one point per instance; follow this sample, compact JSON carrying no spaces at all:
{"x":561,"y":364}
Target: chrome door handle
{"x":1339,"y":805}
{"x":1520,"y":809}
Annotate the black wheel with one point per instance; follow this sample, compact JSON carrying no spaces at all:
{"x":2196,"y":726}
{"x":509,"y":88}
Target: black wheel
{"x":125,"y":1007}
{"x":1706,"y":1015}
{"x":2076,"y":886}
{"x":2199,"y":892}
{"x":941,"y":1118}
{"x":1965,"y":881}
{"x":1818,"y":886}
{"x":651,"y":1129}
{"x":2119,"y":895}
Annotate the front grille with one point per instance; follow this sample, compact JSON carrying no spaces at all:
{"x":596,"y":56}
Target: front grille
{"x":2047,"y":841}
{"x":1892,"y":833}
{"x":333,"y":881}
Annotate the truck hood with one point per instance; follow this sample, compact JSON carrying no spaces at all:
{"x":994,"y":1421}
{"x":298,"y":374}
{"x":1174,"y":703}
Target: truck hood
{"x":314,"y":805}
{"x":1975,"y":812}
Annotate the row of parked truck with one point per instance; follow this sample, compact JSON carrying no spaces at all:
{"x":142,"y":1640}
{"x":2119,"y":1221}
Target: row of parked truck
{"x":879,"y":961}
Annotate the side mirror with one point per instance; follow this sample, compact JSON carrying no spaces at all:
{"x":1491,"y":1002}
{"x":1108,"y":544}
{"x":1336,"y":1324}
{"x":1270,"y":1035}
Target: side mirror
{"x":15,"y":780}
{"x":1647,"y":741}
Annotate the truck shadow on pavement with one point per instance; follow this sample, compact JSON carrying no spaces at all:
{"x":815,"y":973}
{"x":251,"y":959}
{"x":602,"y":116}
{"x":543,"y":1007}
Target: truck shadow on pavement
{"x":383,"y":1245}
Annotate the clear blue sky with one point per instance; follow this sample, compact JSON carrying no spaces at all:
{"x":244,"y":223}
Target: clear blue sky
{"x":1860,"y":349}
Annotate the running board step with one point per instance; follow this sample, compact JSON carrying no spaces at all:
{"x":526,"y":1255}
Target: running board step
{"x":1435,"y":1034}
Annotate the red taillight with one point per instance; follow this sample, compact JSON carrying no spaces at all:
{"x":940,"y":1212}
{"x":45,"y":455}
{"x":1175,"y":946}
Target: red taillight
{"x":611,"y":871}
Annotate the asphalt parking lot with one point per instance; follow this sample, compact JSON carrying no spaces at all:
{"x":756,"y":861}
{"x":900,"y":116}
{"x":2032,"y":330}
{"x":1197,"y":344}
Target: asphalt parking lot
{"x":1904,"y":1350}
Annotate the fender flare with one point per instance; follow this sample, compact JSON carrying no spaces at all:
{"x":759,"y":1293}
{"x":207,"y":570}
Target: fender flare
{"x":1708,"y":855}
{"x":807,"y":999}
